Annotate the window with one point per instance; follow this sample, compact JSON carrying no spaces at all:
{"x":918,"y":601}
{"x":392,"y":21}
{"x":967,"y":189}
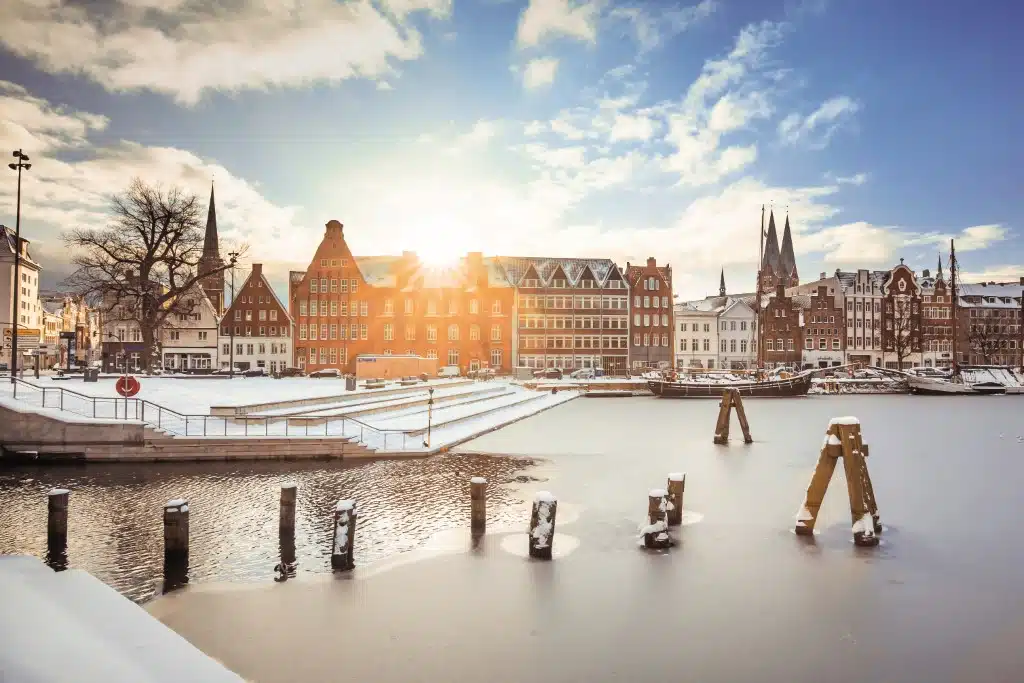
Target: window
{"x":495,"y":332}
{"x":743,"y":346}
{"x":323,"y":331}
{"x":723,"y":345}
{"x":323,"y":307}
{"x":474,"y":306}
{"x":312,"y":307}
{"x":636,"y":301}
{"x":238,"y":349}
{"x":835,"y":344}
{"x":647,"y":340}
{"x":323,"y":355}
{"x":808,"y":344}
{"x":664,"y":320}
{"x":655,"y":320}
{"x":453,"y":307}
{"x":647,"y":302}
{"x":363,"y":332}
{"x":249,"y":349}
{"x":682,"y":345}
{"x":410,"y":332}
{"x":334,"y":285}
{"x":314,"y":286}
{"x":263,"y":331}
{"x":355,"y":308}
{"x":636,"y":319}
{"x":389,"y":332}
{"x":225,"y":349}
{"x":431,"y":307}
{"x":173,"y":335}
{"x":344,"y":286}
{"x":654,"y":340}
{"x":263,"y":316}
{"x":789,"y":344}
{"x":312,"y":331}
{"x":496,"y":307}
{"x":707,"y":344}
{"x":732,"y":346}
{"x":302,"y":309}
{"x":343,"y":310}
{"x":323,"y":285}
{"x":453,"y":333}
{"x":323,"y":263}
{"x":769,"y":345}
{"x":495,"y":358}
{"x":431,"y":333}
{"x":355,"y":331}
{"x":732,"y":325}
{"x":636,"y":340}
{"x":334,"y":331}
{"x":273,"y":315}
{"x":355,"y":285}
{"x":453,"y":356}
{"x":724,"y":324}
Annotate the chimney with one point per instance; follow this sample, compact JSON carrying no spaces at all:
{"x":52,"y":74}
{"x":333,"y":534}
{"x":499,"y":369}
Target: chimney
{"x":822,"y":275}
{"x":334,"y":227}
{"x":652,"y":262}
{"x":926,"y":273}
{"x":780,"y":290}
{"x":257,"y":270}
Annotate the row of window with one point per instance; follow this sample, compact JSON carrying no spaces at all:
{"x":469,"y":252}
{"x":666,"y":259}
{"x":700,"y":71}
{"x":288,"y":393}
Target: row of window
{"x":694,"y":326}
{"x":822,"y":344}
{"x":334,"y":308}
{"x":325,"y":332}
{"x":261,"y":331}
{"x":254,"y":349}
{"x":262,"y":315}
{"x":569,"y":342}
{"x":650,"y":302}
{"x":620,"y":303}
{"x":334,"y":263}
{"x":695,"y":345}
{"x":994,"y":313}
{"x":175,"y":335}
{"x":562,"y":283}
{"x":354,"y":331}
{"x":363,"y":308}
{"x":652,"y":284}
{"x":650,"y":320}
{"x":320,"y":286}
{"x":564,"y":362}
{"x":743,"y":346}
{"x":779,"y":345}
{"x":650,"y":340}
{"x":732,"y":326}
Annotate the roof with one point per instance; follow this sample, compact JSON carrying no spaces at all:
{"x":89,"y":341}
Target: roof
{"x":7,"y":246}
{"x":634,"y":273}
{"x":772,"y":258}
{"x":269,"y":287}
{"x":378,"y":271}
{"x":715,"y":304}
{"x":999,"y":291}
{"x":516,"y":267}
{"x":382,"y":271}
{"x":787,"y":259}
{"x":211,"y":243}
{"x":849,"y":279}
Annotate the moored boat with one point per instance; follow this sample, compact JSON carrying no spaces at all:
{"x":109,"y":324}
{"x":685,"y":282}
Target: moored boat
{"x":797,"y":385}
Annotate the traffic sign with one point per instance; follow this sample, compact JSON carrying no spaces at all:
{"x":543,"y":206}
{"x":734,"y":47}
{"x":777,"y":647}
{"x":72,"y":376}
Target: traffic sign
{"x":127,"y":386}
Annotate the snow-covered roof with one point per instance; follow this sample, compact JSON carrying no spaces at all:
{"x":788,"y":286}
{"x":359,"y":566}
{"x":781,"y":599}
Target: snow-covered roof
{"x":516,"y":267}
{"x":996,"y":289}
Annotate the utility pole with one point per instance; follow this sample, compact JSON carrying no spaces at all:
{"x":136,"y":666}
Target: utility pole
{"x":231,"y":335}
{"x":19,"y":167}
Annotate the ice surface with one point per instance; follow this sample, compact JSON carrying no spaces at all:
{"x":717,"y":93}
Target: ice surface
{"x":676,"y":476}
{"x":658,"y":493}
{"x":848,"y":420}
{"x":544,"y":497}
{"x":478,"y":480}
{"x":176,"y":503}
{"x":58,"y":492}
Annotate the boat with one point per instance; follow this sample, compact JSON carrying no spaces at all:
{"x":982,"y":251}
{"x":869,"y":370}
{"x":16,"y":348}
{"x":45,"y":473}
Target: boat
{"x":796,"y":385}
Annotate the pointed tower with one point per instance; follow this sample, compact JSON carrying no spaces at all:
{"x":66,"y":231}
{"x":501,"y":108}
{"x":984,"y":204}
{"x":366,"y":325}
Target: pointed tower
{"x":938,"y":273}
{"x":721,"y":284}
{"x":787,"y":259}
{"x":213,"y":285}
{"x":770,"y":267}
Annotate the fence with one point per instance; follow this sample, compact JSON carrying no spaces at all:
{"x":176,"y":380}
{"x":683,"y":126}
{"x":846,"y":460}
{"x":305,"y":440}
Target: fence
{"x":180,"y":424}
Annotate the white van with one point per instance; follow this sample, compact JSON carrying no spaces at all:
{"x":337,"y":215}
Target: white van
{"x":449,"y":371}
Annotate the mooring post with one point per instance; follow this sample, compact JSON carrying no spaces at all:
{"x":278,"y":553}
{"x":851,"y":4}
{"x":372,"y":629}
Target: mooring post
{"x":342,"y":558}
{"x":478,"y":505}
{"x":656,"y":530}
{"x":869,"y":490}
{"x":676,"y":488}
{"x":286,"y":523}
{"x":854,"y":466}
{"x":831,"y":451}
{"x":176,"y":531}
{"x":542,"y":525}
{"x":57,"y":515}
{"x":737,"y":402}
{"x":722,"y":427}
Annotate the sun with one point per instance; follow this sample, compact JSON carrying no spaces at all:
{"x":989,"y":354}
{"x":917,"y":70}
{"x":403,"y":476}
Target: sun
{"x":440,"y":243}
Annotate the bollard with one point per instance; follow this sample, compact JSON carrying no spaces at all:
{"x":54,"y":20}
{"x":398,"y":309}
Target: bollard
{"x":286,"y":524}
{"x":542,"y":525}
{"x":342,"y":558}
{"x":176,"y":529}
{"x":57,"y":514}
{"x":656,"y":531}
{"x":676,"y":487}
{"x":478,"y":505}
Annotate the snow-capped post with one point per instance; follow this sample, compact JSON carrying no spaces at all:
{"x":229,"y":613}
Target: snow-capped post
{"x":731,"y":399}
{"x":57,"y":516}
{"x":286,"y":524}
{"x":869,"y":490}
{"x":542,"y":525}
{"x":676,"y":487}
{"x":656,"y":531}
{"x":344,"y":536}
{"x":478,"y":505}
{"x":175,"y":531}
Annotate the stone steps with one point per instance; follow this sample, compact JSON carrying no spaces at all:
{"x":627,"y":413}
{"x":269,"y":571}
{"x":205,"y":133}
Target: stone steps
{"x":260,"y":448}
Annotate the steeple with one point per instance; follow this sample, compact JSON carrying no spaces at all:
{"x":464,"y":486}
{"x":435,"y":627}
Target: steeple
{"x":787,"y":259}
{"x":212,"y":284}
{"x":938,"y":275}
{"x":721,"y":284}
{"x":770,"y":264}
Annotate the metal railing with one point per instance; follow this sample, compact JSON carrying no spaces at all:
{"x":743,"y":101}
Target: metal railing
{"x":180,"y":424}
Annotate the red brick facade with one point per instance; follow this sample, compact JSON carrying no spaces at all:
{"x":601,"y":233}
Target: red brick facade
{"x":901,"y":331}
{"x":344,"y":305}
{"x":824,"y":328}
{"x":258,"y":325}
{"x":650,"y":308}
{"x":780,"y":325}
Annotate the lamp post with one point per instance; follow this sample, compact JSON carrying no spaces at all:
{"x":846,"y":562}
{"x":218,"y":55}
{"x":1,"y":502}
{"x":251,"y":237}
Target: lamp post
{"x":231,"y":334}
{"x":430,"y":415}
{"x":19,"y":166}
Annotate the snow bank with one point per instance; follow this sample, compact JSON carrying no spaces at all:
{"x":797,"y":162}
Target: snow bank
{"x":176,"y":503}
{"x":848,"y":420}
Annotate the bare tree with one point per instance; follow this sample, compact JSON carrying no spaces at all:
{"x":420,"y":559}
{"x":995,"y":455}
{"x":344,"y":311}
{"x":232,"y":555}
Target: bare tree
{"x":984,"y":339}
{"x":142,"y":264}
{"x":903,"y":336}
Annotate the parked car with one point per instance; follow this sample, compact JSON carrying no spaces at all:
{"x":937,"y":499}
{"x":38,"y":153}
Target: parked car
{"x":227,"y":371}
{"x":290,"y":372}
{"x":449,"y":371}
{"x":548,"y":373}
{"x":255,"y":372}
{"x":325,"y":372}
{"x":583,"y":373}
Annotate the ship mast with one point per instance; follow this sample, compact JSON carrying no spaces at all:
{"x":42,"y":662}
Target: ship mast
{"x":953,"y":286}
{"x":759,"y":336}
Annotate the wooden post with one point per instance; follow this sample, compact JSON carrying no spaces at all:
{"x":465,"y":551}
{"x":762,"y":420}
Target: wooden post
{"x":737,"y":402}
{"x":869,"y":490}
{"x":676,"y":487}
{"x":542,"y":525}
{"x":854,"y":465}
{"x":656,"y":531}
{"x":57,"y":514}
{"x":176,"y":528}
{"x":286,"y":523}
{"x":478,"y":505}
{"x":722,"y":427}
{"x":807,"y":516}
{"x":342,"y":558}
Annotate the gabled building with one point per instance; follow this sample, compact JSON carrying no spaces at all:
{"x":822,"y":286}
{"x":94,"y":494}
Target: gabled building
{"x":737,"y":335}
{"x":863,"y":302}
{"x":256,"y":329}
{"x":27,"y":317}
{"x":782,"y":323}
{"x":189,"y":339}
{"x":572,"y":313}
{"x":901,"y":316}
{"x":346,"y":305}
{"x":651,"y":311}
{"x":936,"y":319}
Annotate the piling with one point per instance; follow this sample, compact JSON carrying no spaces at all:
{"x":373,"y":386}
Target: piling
{"x":286,"y":525}
{"x":57,"y":514}
{"x":542,"y":525}
{"x":676,"y":487}
{"x":342,"y":558}
{"x":731,"y":399}
{"x":656,"y":531}
{"x":869,"y":490}
{"x":478,"y":505}
{"x":176,"y":529}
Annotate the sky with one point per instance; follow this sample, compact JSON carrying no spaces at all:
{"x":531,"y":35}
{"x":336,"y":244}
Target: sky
{"x":532,"y":127}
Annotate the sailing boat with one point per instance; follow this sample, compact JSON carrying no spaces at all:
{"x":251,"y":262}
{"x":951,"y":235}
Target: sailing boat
{"x":960,"y":383}
{"x":709,"y":386}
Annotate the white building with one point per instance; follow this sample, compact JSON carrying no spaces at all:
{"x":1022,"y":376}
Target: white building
{"x":737,"y":336}
{"x":863,"y":299}
{"x":190,"y":339}
{"x":28,"y":317}
{"x":697,"y":334}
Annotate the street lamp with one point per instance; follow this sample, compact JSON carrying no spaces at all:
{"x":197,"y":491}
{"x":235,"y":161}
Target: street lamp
{"x":231,"y":334}
{"x":19,"y":167}
{"x":430,"y":415}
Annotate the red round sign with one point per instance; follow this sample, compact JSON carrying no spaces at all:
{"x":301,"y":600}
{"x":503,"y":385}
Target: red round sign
{"x":127,"y":386}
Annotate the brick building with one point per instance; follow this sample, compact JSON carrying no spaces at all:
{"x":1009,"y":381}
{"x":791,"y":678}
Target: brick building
{"x":781,"y":328}
{"x":651,"y":334}
{"x":258,"y":325}
{"x":824,"y":328}
{"x":936,"y":320}
{"x":989,"y":319}
{"x":901,"y":316}
{"x":346,"y":305}
{"x":573,"y":313}
{"x":863,"y":298}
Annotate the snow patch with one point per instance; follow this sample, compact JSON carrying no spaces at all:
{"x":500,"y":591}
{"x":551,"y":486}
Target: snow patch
{"x":176,"y":503}
{"x":803,"y":515}
{"x":478,"y":480}
{"x":544,"y":497}
{"x":659,"y":493}
{"x":184,"y":508}
{"x":677,"y":476}
{"x":848,"y":420}
{"x":865,"y":525}
{"x":289,"y":486}
{"x":345,"y":505}
{"x":833,"y":441}
{"x":655,"y":528}
{"x":58,"y":492}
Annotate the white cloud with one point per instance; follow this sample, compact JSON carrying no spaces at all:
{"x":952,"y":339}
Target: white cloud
{"x":184,"y":48}
{"x":816,"y":129}
{"x":626,"y":127}
{"x":998,"y":273}
{"x":539,"y":73}
{"x":980,"y":237}
{"x":653,"y":27}
{"x":546,"y":19}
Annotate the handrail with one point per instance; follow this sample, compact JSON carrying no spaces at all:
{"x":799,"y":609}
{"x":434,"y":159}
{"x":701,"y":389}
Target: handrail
{"x":140,"y":407}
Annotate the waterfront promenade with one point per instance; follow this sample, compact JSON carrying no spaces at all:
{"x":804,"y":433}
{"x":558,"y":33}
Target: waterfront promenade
{"x":740,"y":599}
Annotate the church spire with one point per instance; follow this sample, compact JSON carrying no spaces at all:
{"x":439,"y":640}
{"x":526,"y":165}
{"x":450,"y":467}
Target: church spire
{"x":211,"y":243}
{"x":210,"y":262}
{"x":770,"y":264}
{"x":939,"y":274}
{"x":787,"y":259}
{"x":721,"y":284}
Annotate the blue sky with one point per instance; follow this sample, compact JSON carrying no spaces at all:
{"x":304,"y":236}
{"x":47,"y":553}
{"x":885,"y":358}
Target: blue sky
{"x":544,"y":127}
